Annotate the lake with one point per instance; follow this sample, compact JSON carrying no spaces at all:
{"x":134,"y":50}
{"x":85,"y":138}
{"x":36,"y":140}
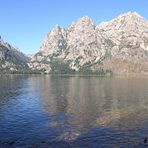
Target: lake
{"x":73,"y":111}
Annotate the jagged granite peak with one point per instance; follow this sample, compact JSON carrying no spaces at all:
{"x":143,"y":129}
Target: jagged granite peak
{"x":128,"y":29}
{"x":82,"y":25}
{"x":121,"y":40}
{"x":54,"y":43}
{"x":83,"y":21}
{"x":82,"y":42}
{"x":130,"y":21}
{"x":54,"y":39}
{"x":131,"y":14}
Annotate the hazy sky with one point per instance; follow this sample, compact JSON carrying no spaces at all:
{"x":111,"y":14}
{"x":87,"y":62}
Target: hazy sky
{"x":25,"y":23}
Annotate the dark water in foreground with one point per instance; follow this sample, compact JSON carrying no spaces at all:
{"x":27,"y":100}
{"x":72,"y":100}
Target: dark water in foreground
{"x":62,"y":111}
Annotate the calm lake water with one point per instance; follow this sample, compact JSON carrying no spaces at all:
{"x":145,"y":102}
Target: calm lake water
{"x":68,"y":111}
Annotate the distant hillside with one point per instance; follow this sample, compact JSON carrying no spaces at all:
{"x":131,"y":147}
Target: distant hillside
{"x":12,"y":60}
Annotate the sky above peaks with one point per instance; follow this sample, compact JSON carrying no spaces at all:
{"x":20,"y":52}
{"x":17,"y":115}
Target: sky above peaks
{"x":25,"y":23}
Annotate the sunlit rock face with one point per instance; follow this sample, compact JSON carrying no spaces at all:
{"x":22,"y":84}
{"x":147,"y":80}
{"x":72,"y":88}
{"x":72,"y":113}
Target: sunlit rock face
{"x":53,"y":44}
{"x":83,"y":43}
{"x":120,"y":44}
{"x":128,"y":39}
{"x":11,"y":59}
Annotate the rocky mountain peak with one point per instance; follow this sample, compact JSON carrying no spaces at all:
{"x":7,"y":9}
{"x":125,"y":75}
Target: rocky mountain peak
{"x":54,"y":40}
{"x":56,"y":30}
{"x":82,"y":24}
{"x":130,"y":21}
{"x":80,"y":30}
{"x":83,"y":44}
{"x":131,"y":14}
{"x":86,"y":20}
{"x":54,"y":43}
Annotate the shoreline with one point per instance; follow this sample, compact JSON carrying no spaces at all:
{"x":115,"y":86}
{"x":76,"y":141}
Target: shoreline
{"x":83,"y":75}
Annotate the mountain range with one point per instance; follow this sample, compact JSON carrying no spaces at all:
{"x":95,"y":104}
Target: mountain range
{"x":116,"y":46}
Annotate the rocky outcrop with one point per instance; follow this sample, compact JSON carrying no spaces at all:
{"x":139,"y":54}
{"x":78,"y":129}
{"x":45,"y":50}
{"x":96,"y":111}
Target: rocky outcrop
{"x":120,"y":45}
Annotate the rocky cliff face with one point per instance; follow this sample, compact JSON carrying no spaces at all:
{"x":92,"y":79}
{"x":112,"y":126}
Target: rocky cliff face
{"x":11,"y":59}
{"x":120,"y":45}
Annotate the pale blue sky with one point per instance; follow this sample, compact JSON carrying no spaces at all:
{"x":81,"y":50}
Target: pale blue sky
{"x":25,"y":23}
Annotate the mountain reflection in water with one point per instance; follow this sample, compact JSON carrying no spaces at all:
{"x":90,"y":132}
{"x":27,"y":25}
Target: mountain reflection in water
{"x":71,"y":111}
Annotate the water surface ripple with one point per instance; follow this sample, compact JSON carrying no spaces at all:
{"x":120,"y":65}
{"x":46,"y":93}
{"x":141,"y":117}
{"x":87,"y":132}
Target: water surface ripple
{"x":72,"y":111}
